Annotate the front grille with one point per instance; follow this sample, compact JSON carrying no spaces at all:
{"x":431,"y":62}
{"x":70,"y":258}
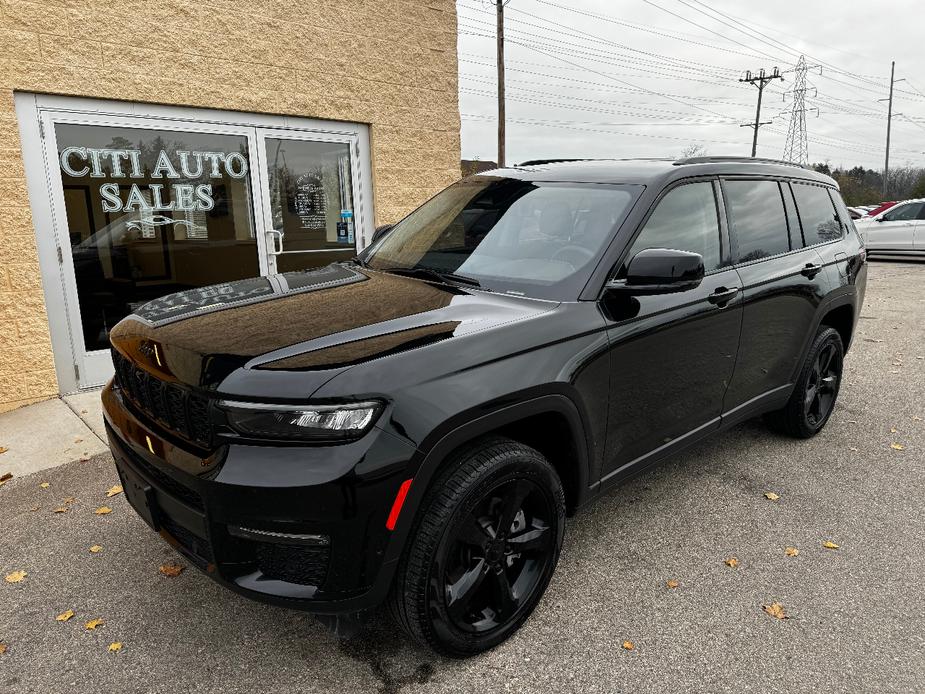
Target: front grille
{"x":174,"y":407}
{"x":302,"y":564}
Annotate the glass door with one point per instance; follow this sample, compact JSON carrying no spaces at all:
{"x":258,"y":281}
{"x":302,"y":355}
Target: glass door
{"x":309,"y":188}
{"x":145,"y":212}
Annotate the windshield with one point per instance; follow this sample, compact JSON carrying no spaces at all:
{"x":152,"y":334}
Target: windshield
{"x":536,"y":239}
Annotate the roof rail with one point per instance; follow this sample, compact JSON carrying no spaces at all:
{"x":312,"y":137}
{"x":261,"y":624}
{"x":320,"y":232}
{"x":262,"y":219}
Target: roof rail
{"x":761,"y":160}
{"x":537,"y":162}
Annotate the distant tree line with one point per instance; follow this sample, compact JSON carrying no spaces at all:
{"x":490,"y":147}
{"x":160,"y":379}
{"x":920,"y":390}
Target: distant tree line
{"x":860,"y":186}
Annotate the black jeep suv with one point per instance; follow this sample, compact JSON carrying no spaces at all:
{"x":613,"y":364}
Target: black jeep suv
{"x":412,"y":427}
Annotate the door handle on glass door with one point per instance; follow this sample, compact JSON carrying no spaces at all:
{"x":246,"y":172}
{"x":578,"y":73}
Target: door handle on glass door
{"x":276,"y":240}
{"x":722,"y":296}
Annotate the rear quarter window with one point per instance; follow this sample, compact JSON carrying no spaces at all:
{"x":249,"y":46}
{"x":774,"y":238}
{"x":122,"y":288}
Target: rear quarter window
{"x":818,"y":215}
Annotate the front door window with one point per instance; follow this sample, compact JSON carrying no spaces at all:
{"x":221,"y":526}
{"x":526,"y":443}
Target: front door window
{"x":151,"y":212}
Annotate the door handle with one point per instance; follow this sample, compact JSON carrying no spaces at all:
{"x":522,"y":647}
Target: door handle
{"x":722,"y":296}
{"x":276,"y":239}
{"x":811,"y":270}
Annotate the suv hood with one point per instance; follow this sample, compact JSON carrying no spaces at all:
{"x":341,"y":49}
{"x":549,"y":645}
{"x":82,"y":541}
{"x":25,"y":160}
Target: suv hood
{"x":317,"y":323}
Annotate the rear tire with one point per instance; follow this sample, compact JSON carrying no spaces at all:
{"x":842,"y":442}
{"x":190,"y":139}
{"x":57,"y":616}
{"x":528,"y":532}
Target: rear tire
{"x":813,"y":399}
{"x":483,"y":549}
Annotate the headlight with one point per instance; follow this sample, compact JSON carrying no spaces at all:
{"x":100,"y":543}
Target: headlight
{"x":339,"y":422}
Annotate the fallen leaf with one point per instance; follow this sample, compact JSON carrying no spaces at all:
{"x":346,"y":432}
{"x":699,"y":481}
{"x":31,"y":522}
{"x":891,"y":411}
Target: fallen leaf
{"x":791,"y":551}
{"x":34,"y":508}
{"x":628,"y":645}
{"x":4,"y":449}
{"x":114,"y":490}
{"x":94,"y":623}
{"x":83,"y":412}
{"x":897,"y":447}
{"x":103,"y":510}
{"x":828,"y":544}
{"x":77,"y":439}
{"x":69,"y":499}
{"x":115,"y":646}
{"x":893,"y":430}
{"x":64,"y":616}
{"x":171,"y":570}
{"x":776,"y":610}
{"x":771,"y":495}
{"x":3,"y":648}
{"x":96,"y":549}
{"x":870,"y":339}
{"x":44,"y":485}
{"x":16,"y":576}
{"x":60,"y":509}
{"x":854,"y":449}
{"x":672,"y":583}
{"x":916,"y":418}
{"x":6,"y":475}
{"x":731,"y":561}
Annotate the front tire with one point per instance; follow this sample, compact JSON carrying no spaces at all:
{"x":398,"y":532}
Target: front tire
{"x":483,"y":549}
{"x":816,"y":390}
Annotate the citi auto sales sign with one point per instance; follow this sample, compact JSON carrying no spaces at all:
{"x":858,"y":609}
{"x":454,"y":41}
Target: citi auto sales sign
{"x":126,"y":163}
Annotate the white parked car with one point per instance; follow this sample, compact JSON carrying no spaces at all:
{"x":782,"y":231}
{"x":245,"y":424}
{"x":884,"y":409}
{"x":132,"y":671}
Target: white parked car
{"x":899,"y":229}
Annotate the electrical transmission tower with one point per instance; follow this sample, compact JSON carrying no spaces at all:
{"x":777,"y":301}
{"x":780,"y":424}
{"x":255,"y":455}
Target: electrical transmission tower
{"x":796,"y":148}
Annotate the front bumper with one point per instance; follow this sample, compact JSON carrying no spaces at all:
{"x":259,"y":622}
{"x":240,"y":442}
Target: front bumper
{"x":302,"y":526}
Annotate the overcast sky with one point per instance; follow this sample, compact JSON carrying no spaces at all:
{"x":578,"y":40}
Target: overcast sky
{"x":627,"y":78}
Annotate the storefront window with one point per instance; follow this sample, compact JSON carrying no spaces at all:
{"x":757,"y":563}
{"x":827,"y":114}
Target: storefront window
{"x":151,"y":212}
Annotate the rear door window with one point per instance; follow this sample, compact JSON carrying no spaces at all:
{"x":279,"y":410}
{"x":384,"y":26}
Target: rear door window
{"x":757,"y":219}
{"x":817,"y":214}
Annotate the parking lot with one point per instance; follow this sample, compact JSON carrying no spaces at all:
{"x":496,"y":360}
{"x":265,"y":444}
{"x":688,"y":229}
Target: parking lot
{"x":856,"y":613}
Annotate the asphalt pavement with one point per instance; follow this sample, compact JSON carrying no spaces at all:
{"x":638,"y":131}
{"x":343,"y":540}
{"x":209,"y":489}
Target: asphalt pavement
{"x":856,"y":614}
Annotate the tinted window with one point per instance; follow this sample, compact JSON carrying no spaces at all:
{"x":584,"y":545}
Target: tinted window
{"x":901,"y":213}
{"x":533,"y":238}
{"x":756,"y":211}
{"x":817,"y":214}
{"x":685,"y":220}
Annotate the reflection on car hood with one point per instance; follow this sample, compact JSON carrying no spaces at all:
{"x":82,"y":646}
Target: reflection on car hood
{"x":313,"y":321}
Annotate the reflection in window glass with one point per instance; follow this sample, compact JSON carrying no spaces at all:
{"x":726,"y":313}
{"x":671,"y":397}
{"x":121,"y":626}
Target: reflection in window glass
{"x":151,"y":212}
{"x":311,"y":194}
{"x":758,"y":220}
{"x":527,"y":237}
{"x":685,"y":220}
{"x":817,"y":214}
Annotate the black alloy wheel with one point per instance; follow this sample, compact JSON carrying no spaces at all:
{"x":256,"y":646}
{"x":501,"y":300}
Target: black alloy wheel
{"x":813,"y":399}
{"x":482,"y":550}
{"x":496,"y":556}
{"x":822,"y":385}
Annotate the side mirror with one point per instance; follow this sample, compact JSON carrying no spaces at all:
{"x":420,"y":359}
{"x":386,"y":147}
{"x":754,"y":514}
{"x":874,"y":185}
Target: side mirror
{"x":661,"y":271}
{"x":381,"y":231}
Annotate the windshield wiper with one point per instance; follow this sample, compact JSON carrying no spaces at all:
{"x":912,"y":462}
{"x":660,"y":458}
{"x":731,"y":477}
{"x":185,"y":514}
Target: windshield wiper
{"x":431,"y":273}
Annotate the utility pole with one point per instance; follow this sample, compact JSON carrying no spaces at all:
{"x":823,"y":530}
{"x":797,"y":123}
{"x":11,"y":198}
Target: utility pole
{"x":499,"y":4}
{"x":761,"y":81}
{"x":889,"y":119}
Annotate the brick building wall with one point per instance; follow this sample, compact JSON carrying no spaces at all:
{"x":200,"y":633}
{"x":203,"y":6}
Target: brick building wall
{"x":388,"y":63}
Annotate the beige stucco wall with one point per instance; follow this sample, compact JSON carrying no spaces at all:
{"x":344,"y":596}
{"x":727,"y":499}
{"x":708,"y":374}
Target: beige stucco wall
{"x":389,"y":63}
